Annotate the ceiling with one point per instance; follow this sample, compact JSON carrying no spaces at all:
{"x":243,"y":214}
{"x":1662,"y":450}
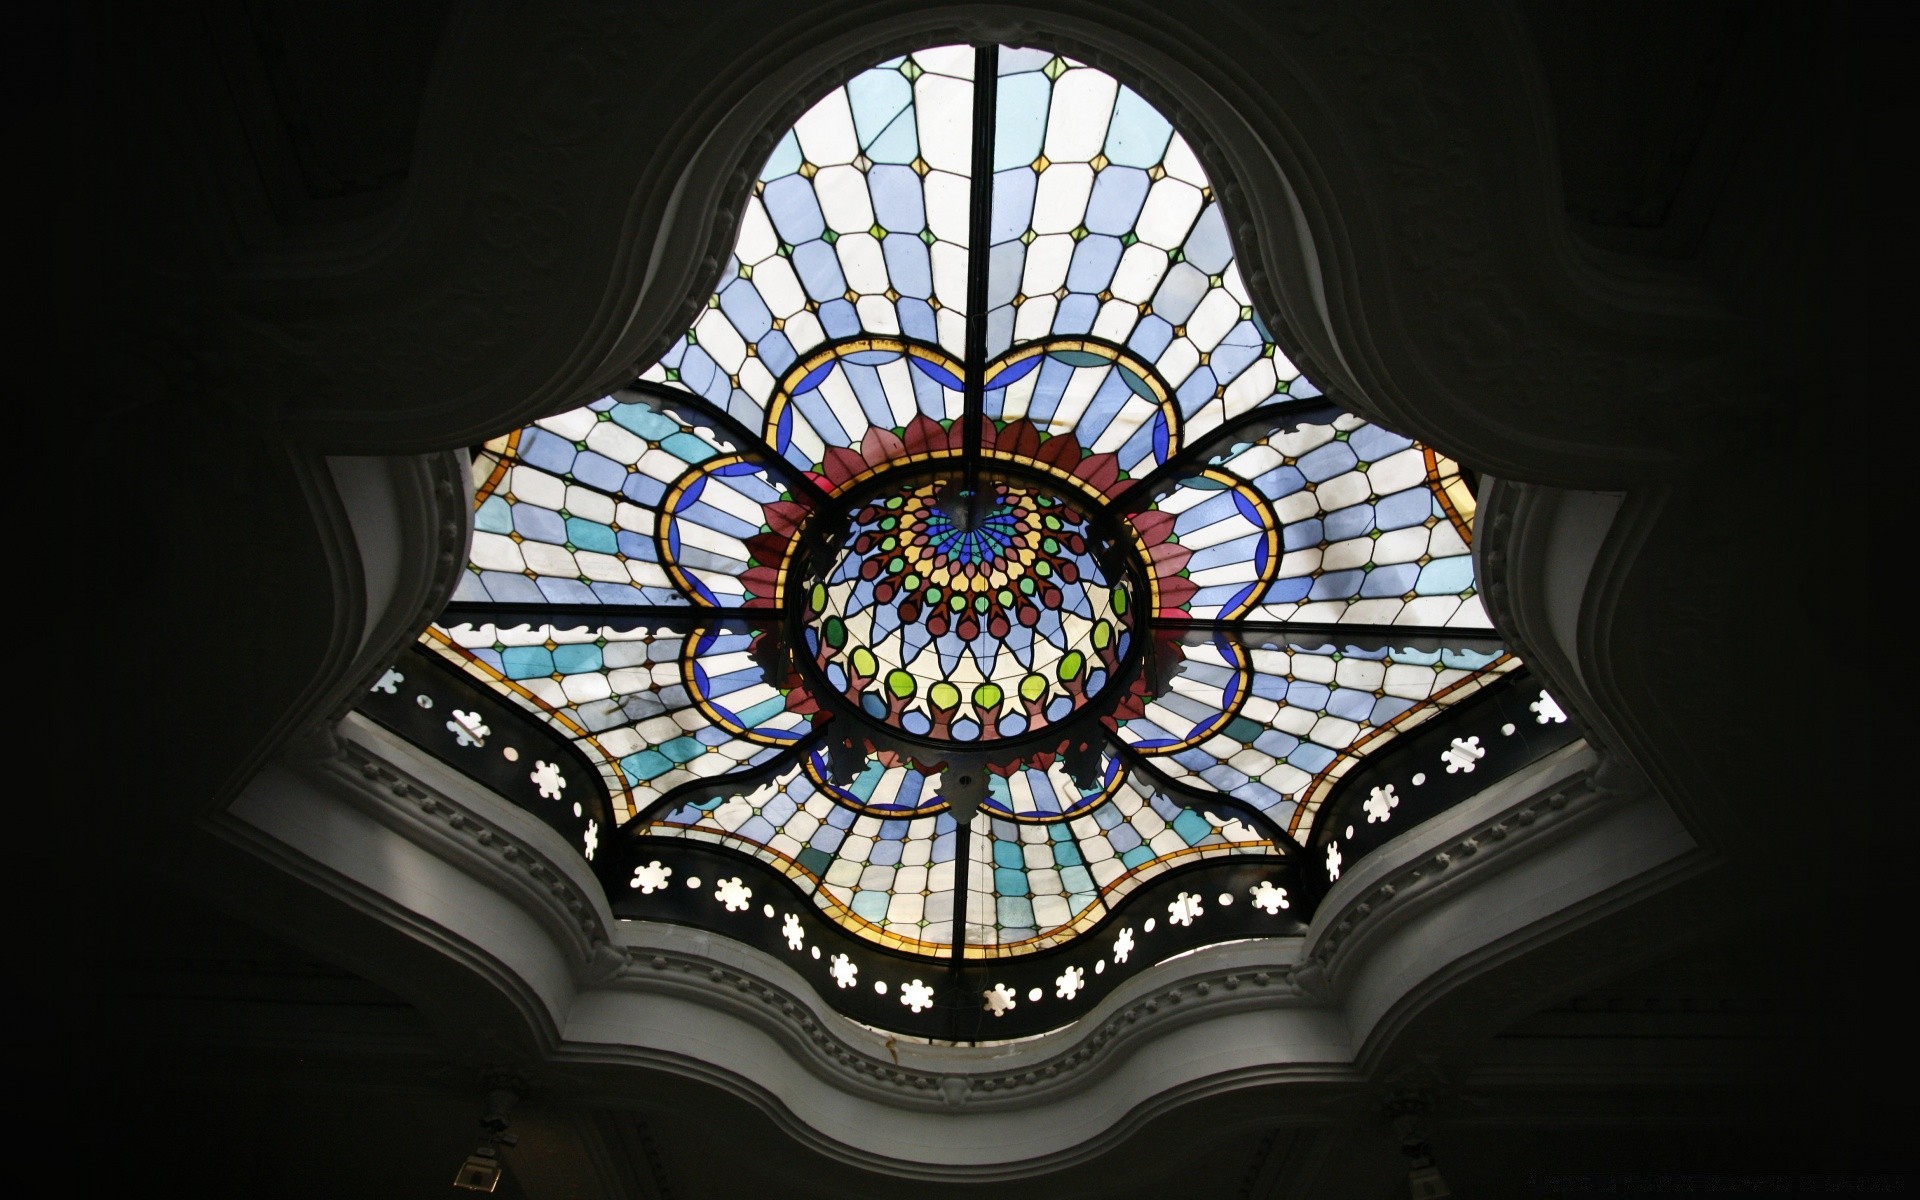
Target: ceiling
{"x":216,"y":1019}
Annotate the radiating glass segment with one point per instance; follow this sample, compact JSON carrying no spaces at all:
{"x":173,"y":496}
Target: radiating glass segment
{"x":651,"y":709}
{"x":888,"y":879}
{"x":858,"y":226}
{"x":623,"y":503}
{"x":1275,"y":720}
{"x":1105,"y":224}
{"x":1043,"y":884}
{"x":1375,"y":528}
{"x":1340,"y":522}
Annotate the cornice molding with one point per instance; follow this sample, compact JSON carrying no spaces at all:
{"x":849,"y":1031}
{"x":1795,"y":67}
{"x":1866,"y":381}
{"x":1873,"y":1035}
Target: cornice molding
{"x":1210,"y":994}
{"x":412,"y":549}
{"x":1386,"y":890}
{"x":1555,"y":565}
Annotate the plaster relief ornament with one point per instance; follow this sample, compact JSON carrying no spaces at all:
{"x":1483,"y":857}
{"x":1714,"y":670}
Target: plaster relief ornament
{"x":977,"y":518}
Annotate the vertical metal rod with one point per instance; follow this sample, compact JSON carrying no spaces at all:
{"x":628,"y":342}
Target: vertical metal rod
{"x":962,"y":867}
{"x":986,"y":80}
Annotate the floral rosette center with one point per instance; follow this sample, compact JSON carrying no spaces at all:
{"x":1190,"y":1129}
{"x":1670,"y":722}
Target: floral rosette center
{"x":968,"y":614}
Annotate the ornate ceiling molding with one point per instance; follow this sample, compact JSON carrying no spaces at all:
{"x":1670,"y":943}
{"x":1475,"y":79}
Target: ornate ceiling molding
{"x":1275,"y":1013}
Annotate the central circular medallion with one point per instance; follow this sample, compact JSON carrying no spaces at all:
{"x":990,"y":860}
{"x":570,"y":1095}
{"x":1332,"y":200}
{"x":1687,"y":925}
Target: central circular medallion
{"x":968,"y":615}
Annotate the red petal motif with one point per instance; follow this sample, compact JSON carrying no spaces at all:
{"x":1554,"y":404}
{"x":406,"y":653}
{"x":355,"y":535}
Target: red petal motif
{"x":1154,"y":527}
{"x":842,"y":466}
{"x":882,"y":445}
{"x":1100,"y":473}
{"x":924,"y":436}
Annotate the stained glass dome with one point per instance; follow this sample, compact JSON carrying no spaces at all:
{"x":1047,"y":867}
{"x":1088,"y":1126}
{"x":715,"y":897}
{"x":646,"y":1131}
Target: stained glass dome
{"x":975,"y":605}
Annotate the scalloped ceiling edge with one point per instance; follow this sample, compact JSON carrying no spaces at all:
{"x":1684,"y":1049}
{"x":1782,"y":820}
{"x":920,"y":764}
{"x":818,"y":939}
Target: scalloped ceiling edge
{"x":526,"y":864}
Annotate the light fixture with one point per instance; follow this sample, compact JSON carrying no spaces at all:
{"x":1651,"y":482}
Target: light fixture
{"x":1423,"y":1182}
{"x":1408,"y":1111}
{"x":481,"y":1171}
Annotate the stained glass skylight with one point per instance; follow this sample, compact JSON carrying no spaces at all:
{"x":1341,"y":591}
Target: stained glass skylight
{"x":976,"y":577}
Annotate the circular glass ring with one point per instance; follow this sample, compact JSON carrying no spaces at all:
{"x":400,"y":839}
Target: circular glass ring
{"x":957,"y":613}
